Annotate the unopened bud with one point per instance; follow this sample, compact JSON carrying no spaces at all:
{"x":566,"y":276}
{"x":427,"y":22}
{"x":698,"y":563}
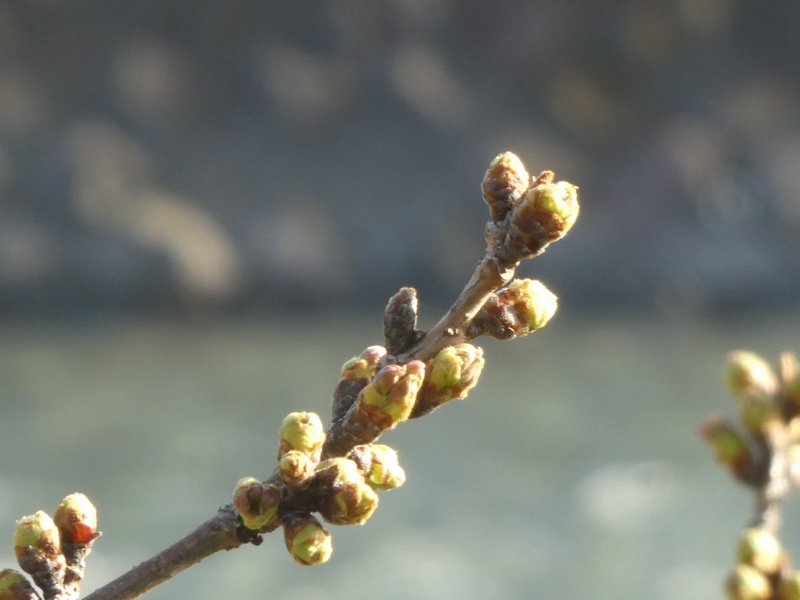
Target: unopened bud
{"x":302,"y":431}
{"x":390,"y":397}
{"x":747,"y":583}
{"x":730,"y":447}
{"x":307,"y":540}
{"x":545,"y":214}
{"x":295,"y":468}
{"x":76,"y":519}
{"x":379,"y":465}
{"x":451,"y":374}
{"x":760,"y":414}
{"x":15,"y":586}
{"x":257,"y":503}
{"x":37,"y":534}
{"x":504,"y":183}
{"x":362,"y":368}
{"x":349,"y":503}
{"x":749,"y":376}
{"x":789,"y":586}
{"x":760,"y":549}
{"x":522,"y":307}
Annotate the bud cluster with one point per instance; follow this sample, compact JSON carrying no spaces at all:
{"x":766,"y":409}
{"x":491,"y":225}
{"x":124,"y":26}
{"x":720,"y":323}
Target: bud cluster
{"x":765,"y":455}
{"x":52,"y":550}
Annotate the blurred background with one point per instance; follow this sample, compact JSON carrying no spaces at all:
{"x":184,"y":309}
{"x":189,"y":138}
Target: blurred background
{"x":205,"y":206}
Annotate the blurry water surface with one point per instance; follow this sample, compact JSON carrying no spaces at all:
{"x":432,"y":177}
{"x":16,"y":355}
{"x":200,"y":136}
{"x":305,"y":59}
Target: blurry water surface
{"x":573,"y":470}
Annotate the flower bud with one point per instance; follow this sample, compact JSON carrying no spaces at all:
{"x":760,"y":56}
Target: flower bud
{"x":363,"y":367}
{"x":545,"y":214}
{"x":760,"y":549}
{"x":37,"y":545}
{"x":522,"y":307}
{"x":378,"y":464}
{"x":400,"y":321}
{"x":349,"y":503}
{"x":451,"y":374}
{"x":338,"y":470}
{"x":747,"y":583}
{"x":15,"y":586}
{"x":306,"y":539}
{"x":729,"y":445}
{"x":789,"y":586}
{"x":302,"y":431}
{"x":504,"y":183}
{"x":76,"y":519}
{"x":390,"y":397}
{"x":749,"y":376}
{"x":295,"y":468}
{"x":760,"y":414}
{"x":257,"y":503}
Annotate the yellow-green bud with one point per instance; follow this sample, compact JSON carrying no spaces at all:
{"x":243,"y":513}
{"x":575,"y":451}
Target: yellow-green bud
{"x":339,"y":469}
{"x":37,"y":534}
{"x":349,"y":503}
{"x":504,"y":183}
{"x":15,"y":586}
{"x":76,"y":519}
{"x":760,"y":549}
{"x":257,"y":503}
{"x":302,"y":431}
{"x":307,"y":540}
{"x":545,"y":213}
{"x":295,"y":467}
{"x":760,"y":414}
{"x":729,"y":445}
{"x":789,"y":586}
{"x":391,"y":395}
{"x":362,"y":368}
{"x":379,"y":465}
{"x":534,"y":303}
{"x":749,"y":376}
{"x":451,"y":374}
{"x":747,"y":583}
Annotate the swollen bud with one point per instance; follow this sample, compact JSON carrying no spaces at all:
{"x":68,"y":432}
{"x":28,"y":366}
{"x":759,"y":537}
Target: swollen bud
{"x":306,"y":539}
{"x":390,"y":397}
{"x":37,"y":545}
{"x":761,"y":550}
{"x":749,"y":376}
{"x":76,"y":519}
{"x":302,"y":431}
{"x":451,"y":374}
{"x":545,"y":214}
{"x":379,"y":465}
{"x":15,"y":586}
{"x":504,"y":183}
{"x":349,"y":503}
{"x":747,"y":583}
{"x":520,"y":308}
{"x":295,"y":468}
{"x":257,"y":503}
{"x":362,"y":368}
{"x":730,"y":447}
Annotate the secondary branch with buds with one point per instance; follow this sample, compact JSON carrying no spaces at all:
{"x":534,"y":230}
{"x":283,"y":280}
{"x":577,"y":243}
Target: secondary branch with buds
{"x":337,"y":472}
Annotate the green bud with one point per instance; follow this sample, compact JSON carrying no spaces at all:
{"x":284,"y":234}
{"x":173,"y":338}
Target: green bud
{"x":37,"y":534}
{"x":379,"y":466}
{"x":349,"y":503}
{"x":532,"y":301}
{"x":391,"y":395}
{"x":760,"y":549}
{"x":76,"y":519}
{"x":295,"y":468}
{"x":749,"y":376}
{"x":307,"y":540}
{"x":15,"y":586}
{"x":362,"y":368}
{"x":257,"y":503}
{"x":789,"y":586}
{"x":504,"y":183}
{"x":545,"y":214}
{"x":302,"y":431}
{"x":760,"y":414}
{"x":451,"y":374}
{"x":729,"y":445}
{"x":747,"y":583}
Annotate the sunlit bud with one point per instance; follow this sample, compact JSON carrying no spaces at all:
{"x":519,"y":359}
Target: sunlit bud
{"x":747,"y":583}
{"x":257,"y":503}
{"x":338,"y":470}
{"x":390,"y":397}
{"x":760,"y":549}
{"x":302,"y":431}
{"x":378,"y":464}
{"x":451,"y":374}
{"x":15,"y":586}
{"x":400,"y":321}
{"x":760,"y":414}
{"x":37,"y":545}
{"x":363,"y":367}
{"x":522,"y":307}
{"x":789,"y":586}
{"x":306,"y":539}
{"x":76,"y":519}
{"x":295,"y":467}
{"x":504,"y":183}
{"x":749,"y":376}
{"x":545,"y":214}
{"x":730,"y":447}
{"x":349,"y":503}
